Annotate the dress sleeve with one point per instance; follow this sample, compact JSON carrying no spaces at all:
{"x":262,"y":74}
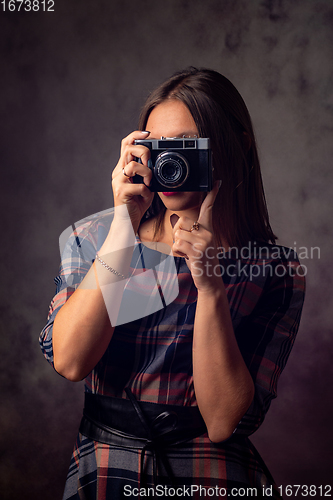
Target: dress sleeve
{"x":77,"y":257}
{"x":267,"y":335}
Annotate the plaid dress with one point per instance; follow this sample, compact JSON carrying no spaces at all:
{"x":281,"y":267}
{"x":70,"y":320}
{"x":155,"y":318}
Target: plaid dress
{"x":152,"y":355}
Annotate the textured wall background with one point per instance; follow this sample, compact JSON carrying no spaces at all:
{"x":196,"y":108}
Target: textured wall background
{"x":72,"y":83}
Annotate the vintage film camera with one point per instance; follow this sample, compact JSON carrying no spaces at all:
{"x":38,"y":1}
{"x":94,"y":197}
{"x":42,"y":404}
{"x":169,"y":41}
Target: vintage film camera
{"x":179,"y":164}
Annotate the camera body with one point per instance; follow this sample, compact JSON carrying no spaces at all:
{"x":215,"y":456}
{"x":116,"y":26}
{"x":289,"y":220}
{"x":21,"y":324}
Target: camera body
{"x":179,"y":164}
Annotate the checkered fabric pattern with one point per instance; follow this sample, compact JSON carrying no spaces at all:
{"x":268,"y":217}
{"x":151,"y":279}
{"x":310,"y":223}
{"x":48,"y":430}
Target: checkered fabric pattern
{"x":153,"y":357}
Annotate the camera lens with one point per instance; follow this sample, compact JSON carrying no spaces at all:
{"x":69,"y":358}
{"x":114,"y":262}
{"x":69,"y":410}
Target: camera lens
{"x":171,"y":169}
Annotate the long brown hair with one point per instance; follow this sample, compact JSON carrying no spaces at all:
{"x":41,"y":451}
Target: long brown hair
{"x":240,"y":213}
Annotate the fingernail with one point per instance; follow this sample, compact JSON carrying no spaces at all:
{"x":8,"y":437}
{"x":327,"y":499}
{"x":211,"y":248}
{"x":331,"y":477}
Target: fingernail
{"x":220,"y":183}
{"x":150,"y":164}
{"x":146,"y":132}
{"x":173,"y":220}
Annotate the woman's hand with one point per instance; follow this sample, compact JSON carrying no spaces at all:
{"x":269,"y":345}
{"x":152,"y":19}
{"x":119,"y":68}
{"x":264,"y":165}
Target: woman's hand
{"x":222,"y":383}
{"x":136,"y":197}
{"x":198,"y":245}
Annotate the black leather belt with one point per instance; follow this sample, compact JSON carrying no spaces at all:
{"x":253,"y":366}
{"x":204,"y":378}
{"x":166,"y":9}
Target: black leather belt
{"x":147,"y":426}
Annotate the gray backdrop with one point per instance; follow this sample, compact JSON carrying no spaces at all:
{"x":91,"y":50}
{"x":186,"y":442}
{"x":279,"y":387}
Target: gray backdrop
{"x":72,"y":83}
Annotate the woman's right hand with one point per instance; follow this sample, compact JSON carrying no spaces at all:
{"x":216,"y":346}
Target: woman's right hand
{"x":136,"y":197}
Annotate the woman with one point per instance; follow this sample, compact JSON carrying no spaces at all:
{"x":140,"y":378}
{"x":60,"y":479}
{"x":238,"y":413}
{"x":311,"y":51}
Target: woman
{"x":171,"y":396}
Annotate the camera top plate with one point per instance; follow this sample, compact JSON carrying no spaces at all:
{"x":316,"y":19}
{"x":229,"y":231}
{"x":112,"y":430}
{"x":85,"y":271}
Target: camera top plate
{"x":175,"y":143}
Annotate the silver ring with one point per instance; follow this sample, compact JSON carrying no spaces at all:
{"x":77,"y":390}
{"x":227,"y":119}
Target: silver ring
{"x":125,"y":173}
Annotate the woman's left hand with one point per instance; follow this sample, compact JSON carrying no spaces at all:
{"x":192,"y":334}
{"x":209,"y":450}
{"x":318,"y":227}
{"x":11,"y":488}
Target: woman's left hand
{"x":198,"y":246}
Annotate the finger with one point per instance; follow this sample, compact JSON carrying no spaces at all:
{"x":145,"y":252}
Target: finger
{"x":177,"y":224}
{"x":135,"y":152}
{"x":189,"y":229}
{"x":131,"y":153}
{"x":206,"y":210}
{"x":134,"y":168}
{"x":187,"y":249}
{"x":193,"y":238}
{"x":137,"y":134}
{"x":126,"y":192}
{"x":183,"y":223}
{"x":178,"y":248}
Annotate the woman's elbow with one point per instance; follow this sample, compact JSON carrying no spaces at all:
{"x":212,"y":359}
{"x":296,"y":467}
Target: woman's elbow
{"x":220,"y":433}
{"x":222,"y":428}
{"x":68,"y":370}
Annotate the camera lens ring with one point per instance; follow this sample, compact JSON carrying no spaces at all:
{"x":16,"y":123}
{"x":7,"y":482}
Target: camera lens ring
{"x":176,"y":161}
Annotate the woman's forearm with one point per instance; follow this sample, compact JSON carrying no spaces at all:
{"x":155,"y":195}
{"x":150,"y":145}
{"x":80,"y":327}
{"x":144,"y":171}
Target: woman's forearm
{"x":84,"y":325}
{"x":82,"y":329}
{"x":223,"y":385}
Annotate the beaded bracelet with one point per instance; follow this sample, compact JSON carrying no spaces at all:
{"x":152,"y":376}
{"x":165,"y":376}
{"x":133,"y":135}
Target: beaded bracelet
{"x":109,"y":268}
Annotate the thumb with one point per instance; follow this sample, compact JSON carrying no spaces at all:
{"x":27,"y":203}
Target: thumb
{"x":205,"y":215}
